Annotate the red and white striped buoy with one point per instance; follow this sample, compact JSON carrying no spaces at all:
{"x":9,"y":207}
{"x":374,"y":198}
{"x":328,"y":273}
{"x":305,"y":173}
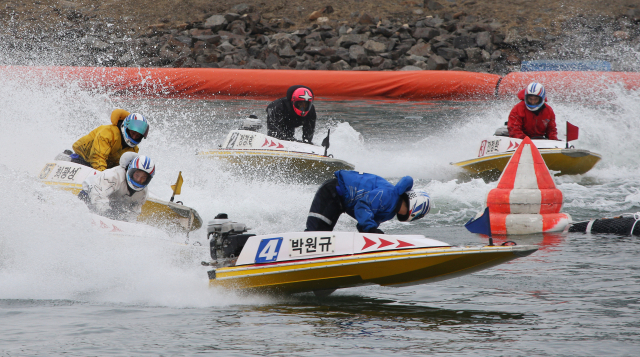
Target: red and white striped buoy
{"x":526,"y":200}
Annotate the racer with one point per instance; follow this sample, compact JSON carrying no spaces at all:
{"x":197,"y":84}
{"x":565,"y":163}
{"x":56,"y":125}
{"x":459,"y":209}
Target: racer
{"x":532,"y":117}
{"x":119,"y":192}
{"x":368,"y":198}
{"x":103,"y":146}
{"x":284,"y":115}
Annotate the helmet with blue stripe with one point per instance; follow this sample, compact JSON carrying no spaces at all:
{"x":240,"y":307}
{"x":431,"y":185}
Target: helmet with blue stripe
{"x":140,"y":172}
{"x":134,"y":123}
{"x":418,"y":204}
{"x":534,"y":90}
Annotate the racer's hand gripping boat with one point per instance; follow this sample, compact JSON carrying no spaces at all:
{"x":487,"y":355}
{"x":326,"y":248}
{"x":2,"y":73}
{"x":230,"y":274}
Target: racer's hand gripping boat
{"x":325,"y":261}
{"x":252,"y":152}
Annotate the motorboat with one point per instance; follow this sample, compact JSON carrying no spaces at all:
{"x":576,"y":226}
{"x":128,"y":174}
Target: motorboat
{"x":64,"y":174}
{"x":250,"y":152}
{"x":494,"y":153}
{"x":322,"y":262}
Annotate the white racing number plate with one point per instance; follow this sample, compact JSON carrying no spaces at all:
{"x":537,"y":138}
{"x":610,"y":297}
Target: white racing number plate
{"x":299,"y":247}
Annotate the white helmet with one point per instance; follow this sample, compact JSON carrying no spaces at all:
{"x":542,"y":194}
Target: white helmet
{"x":140,"y":163}
{"x":534,"y":90}
{"x":418,"y":203}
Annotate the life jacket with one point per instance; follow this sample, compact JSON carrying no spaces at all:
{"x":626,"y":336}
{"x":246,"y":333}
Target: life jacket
{"x":103,"y":146}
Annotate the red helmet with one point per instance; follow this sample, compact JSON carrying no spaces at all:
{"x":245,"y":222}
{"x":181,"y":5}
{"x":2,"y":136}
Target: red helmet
{"x":302,"y":100}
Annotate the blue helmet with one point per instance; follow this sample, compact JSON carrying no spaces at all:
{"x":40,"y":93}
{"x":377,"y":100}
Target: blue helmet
{"x":534,"y":90}
{"x":134,"y":122}
{"x":418,"y":204}
{"x":140,"y":163}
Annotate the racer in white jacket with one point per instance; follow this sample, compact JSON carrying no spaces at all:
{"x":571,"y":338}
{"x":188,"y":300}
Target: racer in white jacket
{"x":120,"y":192}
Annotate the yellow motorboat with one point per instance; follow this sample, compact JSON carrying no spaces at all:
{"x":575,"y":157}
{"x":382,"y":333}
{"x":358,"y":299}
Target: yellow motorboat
{"x":325,"y":261}
{"x":247,"y":151}
{"x":156,"y":212}
{"x":495,"y":152}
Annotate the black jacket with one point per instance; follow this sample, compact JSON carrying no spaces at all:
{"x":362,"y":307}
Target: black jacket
{"x":282,"y":121}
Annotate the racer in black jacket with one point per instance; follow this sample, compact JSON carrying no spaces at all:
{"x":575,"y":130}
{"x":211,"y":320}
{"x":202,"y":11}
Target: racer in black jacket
{"x":284,"y":115}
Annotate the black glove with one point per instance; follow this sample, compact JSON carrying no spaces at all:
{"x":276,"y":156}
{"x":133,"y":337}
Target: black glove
{"x":375,"y":230}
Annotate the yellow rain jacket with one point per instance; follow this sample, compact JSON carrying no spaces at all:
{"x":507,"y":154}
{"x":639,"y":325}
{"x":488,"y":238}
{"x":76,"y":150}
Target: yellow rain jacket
{"x":102,"y":147}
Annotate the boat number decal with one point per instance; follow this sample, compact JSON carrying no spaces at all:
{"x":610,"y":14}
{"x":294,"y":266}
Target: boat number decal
{"x":66,"y":173}
{"x":232,"y":140}
{"x":492,"y":146}
{"x":310,"y":246}
{"x":483,"y":147}
{"x":46,"y":171}
{"x":268,"y":250}
{"x":245,"y":140}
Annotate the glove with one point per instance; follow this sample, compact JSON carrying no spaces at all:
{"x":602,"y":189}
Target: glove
{"x":375,"y":230}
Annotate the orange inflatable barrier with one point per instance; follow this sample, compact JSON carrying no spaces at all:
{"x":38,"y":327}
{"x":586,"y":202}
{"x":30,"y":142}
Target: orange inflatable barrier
{"x":214,"y":83}
{"x":567,"y":84}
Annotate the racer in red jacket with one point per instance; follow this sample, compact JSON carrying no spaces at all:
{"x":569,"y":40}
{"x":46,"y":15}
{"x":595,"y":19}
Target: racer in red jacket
{"x":532,"y":117}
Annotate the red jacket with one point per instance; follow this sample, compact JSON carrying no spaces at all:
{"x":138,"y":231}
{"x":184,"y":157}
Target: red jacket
{"x":523,"y":122}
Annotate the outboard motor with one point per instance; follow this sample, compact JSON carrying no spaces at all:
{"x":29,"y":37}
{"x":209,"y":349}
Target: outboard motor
{"x":251,"y":123}
{"x":226,"y":239}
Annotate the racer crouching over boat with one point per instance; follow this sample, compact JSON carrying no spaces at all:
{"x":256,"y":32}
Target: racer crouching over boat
{"x":532,"y":117}
{"x":368,"y":198}
{"x":103,"y":146}
{"x":119,"y":192}
{"x":284,"y":115}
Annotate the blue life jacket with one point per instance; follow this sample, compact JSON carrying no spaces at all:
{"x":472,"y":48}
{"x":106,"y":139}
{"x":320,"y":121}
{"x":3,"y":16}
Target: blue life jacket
{"x":369,"y":198}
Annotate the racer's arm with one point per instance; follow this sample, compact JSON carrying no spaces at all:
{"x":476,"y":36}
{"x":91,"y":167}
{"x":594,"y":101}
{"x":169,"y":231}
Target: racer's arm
{"x":552,"y":131}
{"x":309,"y":126}
{"x":105,"y":184}
{"x":101,"y":149}
{"x":136,"y":208}
{"x":515,"y":124}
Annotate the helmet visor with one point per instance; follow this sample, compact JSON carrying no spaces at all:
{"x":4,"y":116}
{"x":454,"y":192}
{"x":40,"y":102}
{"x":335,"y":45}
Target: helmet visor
{"x":302,"y":106}
{"x":139,"y":126}
{"x":139,"y":177}
{"x":533,"y":99}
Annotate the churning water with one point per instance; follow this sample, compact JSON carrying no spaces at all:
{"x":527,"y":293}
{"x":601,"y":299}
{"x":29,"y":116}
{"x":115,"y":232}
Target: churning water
{"x":65,"y":289}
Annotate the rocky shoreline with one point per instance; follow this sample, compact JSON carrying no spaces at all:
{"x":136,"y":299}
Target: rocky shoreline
{"x":243,"y":38}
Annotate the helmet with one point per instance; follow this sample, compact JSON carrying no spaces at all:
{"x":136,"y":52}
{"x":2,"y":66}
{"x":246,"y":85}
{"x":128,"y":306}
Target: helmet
{"x":302,"y":99}
{"x":140,"y":163}
{"x":534,"y":90}
{"x":134,"y":122}
{"x":418,"y":203}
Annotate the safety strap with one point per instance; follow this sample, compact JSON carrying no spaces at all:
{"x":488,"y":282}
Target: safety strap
{"x":320,"y":217}
{"x":636,"y":216}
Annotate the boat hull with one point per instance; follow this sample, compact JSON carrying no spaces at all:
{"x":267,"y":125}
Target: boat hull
{"x":562,"y":161}
{"x":389,"y":268}
{"x":280,"y":163}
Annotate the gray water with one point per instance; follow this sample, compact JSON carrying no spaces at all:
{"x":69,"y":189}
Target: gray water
{"x":67,"y":289}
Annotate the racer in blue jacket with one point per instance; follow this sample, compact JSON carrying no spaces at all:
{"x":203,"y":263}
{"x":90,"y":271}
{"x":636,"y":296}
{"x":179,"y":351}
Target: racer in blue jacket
{"x":368,"y":198}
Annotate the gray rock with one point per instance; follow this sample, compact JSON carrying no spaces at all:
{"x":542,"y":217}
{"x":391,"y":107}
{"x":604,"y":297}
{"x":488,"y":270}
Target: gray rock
{"x":449,"y":53}
{"x":242,"y":9}
{"x":313,"y":50}
{"x":433,"y":5}
{"x":513,"y":37}
{"x":215,"y":22}
{"x":437,"y":63}
{"x":474,"y":55}
{"x":347,"y":41}
{"x":414,"y":59}
{"x":426,"y":33}
{"x":211,"y":39}
{"x":256,"y":64}
{"x":462,"y":42}
{"x":436,"y":46}
{"x":271,"y":59}
{"x":432,"y":22}
{"x":356,"y":50}
{"x":410,"y":68}
{"x":231,"y":17}
{"x":483,"y":39}
{"x":420,"y":49}
{"x":227,"y":47}
{"x":496,"y":55}
{"x":375,"y":46}
{"x":361,"y":68}
{"x":287,"y":51}
{"x":340,"y":66}
{"x":384,"y":31}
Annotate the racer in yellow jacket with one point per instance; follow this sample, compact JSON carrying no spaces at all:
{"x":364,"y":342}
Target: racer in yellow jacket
{"x":103,"y":146}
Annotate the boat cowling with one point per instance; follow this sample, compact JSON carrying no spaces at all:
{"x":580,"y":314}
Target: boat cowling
{"x":226,"y":239}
